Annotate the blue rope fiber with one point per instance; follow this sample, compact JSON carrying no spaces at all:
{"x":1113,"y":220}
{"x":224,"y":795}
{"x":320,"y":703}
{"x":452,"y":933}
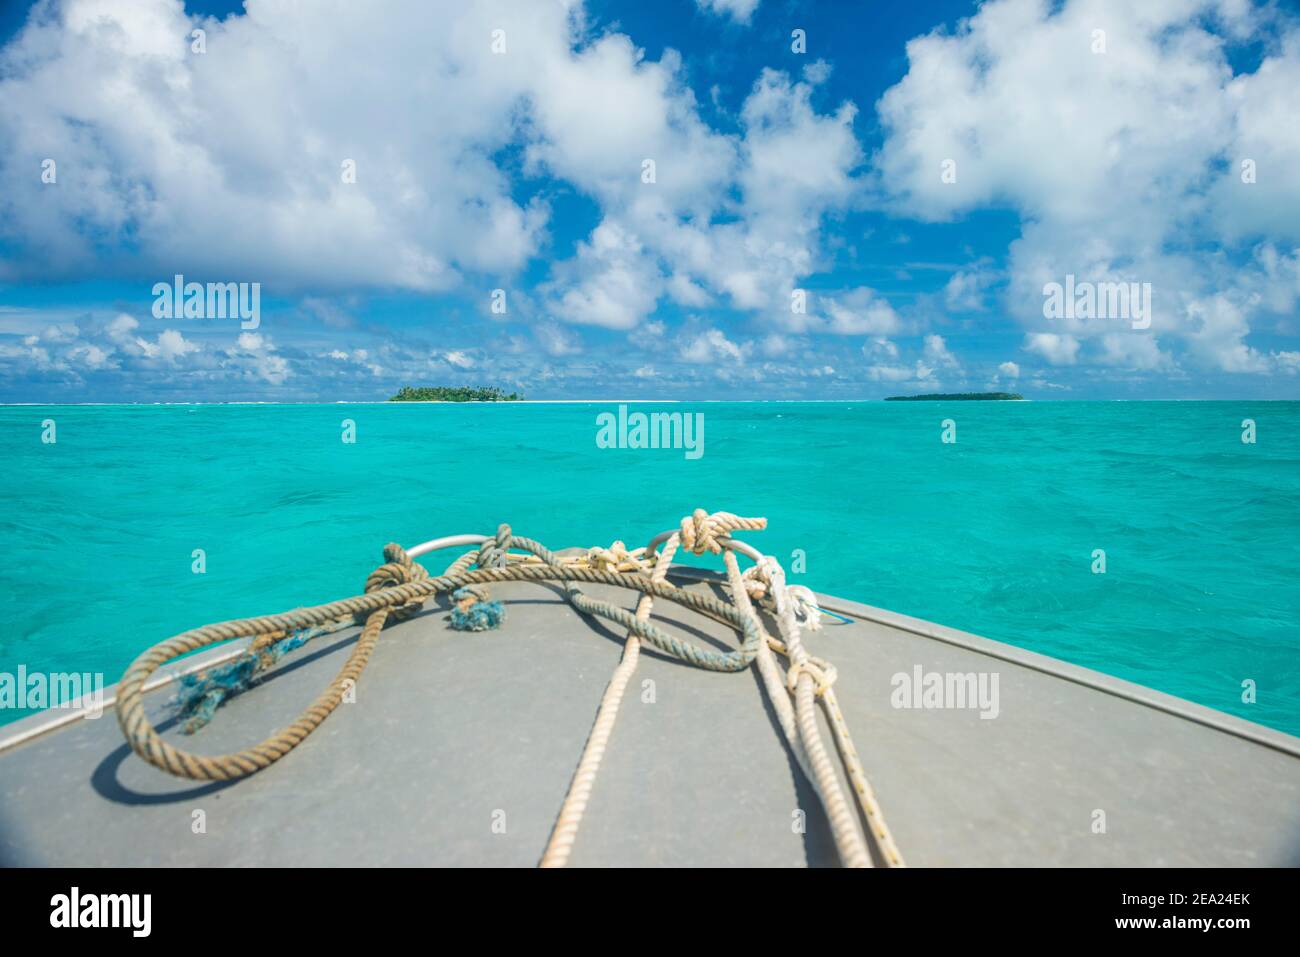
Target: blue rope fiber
{"x":201,"y":694}
{"x":480,"y":616}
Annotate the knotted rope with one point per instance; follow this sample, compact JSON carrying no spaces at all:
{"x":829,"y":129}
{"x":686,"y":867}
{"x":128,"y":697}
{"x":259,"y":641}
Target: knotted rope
{"x":398,"y":569}
{"x":399,"y":587}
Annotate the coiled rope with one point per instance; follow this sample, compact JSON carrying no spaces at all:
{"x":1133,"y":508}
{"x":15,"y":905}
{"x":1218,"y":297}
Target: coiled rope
{"x":399,"y":587}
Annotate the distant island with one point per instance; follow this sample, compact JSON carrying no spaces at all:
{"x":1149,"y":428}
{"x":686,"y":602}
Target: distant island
{"x":443,"y":393}
{"x":957,"y":396}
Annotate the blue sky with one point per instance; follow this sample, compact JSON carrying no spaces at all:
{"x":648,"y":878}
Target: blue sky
{"x":876,"y":213}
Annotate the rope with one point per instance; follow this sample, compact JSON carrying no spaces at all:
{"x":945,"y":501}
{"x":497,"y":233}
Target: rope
{"x":584,"y":778}
{"x":475,"y":610}
{"x":399,"y":587}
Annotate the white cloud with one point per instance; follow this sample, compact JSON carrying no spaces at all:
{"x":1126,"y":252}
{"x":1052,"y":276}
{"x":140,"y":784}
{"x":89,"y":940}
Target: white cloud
{"x":739,"y":10}
{"x":1280,"y":289}
{"x":919,"y":374}
{"x":555,"y":340}
{"x":151,"y":139}
{"x":254,"y":354}
{"x":648,"y":336}
{"x":1009,"y":369}
{"x":861,"y":312}
{"x":967,"y":289}
{"x":880,"y":348}
{"x":615,"y":284}
{"x":1133,"y":350}
{"x":1059,"y":350}
{"x":92,"y":356}
{"x":788,"y":165}
{"x":1265,"y":132}
{"x":1219,"y":324}
{"x":458,"y":358}
{"x":1114,"y":161}
{"x":936,"y":353}
{"x":710,"y":345}
{"x":171,"y":345}
{"x":684,"y":292}
{"x":775,"y":345}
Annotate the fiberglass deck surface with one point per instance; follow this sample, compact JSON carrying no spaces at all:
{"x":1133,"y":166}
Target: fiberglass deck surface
{"x":459,"y":749}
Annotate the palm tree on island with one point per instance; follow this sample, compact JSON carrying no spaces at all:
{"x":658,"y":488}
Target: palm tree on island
{"x":445,"y":393}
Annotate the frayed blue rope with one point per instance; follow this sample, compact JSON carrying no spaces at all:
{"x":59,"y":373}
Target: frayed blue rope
{"x":480,"y":616}
{"x":201,"y":694}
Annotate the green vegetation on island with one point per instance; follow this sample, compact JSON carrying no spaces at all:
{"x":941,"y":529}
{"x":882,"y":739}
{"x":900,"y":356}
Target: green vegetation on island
{"x":446,"y":393}
{"x":957,"y":396}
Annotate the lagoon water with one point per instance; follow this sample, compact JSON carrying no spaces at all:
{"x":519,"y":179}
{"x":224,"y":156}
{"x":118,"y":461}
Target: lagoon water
{"x":994,"y":534}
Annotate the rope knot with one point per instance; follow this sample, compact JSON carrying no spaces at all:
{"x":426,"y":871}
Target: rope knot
{"x":699,"y":530}
{"x":493,"y":553}
{"x":396,"y":554}
{"x":806,"y":610}
{"x":616,"y":558}
{"x":757,"y":579}
{"x":821,"y":671}
{"x":398,"y":569}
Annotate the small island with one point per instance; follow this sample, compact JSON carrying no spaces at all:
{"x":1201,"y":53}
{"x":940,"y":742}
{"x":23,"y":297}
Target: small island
{"x":444,"y":393}
{"x":958,"y":397}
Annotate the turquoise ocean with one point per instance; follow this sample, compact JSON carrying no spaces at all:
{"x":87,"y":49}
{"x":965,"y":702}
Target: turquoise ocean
{"x":994,"y":534}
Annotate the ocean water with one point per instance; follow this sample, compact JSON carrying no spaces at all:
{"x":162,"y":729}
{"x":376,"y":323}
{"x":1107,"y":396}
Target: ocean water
{"x":994,"y":534}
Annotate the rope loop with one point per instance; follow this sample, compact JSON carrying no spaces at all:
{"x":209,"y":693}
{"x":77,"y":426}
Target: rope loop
{"x":617,"y":558}
{"x":821,"y":671}
{"x":699,"y":533}
{"x":398,"y":569}
{"x":493,"y":553}
{"x":400,"y":586}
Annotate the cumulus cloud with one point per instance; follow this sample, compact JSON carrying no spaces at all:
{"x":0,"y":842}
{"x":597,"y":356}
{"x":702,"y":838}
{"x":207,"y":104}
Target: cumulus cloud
{"x":1264,"y":145}
{"x":711,"y":345}
{"x":615,"y":284}
{"x":182,"y":158}
{"x":72,"y":354}
{"x":1133,"y":351}
{"x":738,"y":10}
{"x":318,"y":187}
{"x":1128,"y":165}
{"x":936,"y":361}
{"x":918,"y":375}
{"x":937,"y":354}
{"x":458,"y":358}
{"x":254,"y":354}
{"x":729,"y":217}
{"x":880,"y":348}
{"x":556,"y":340}
{"x":967,"y":289}
{"x":1059,"y":350}
{"x":860,"y":312}
{"x":1121,"y":153}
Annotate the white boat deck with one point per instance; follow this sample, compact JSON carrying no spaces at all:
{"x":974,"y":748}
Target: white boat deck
{"x":460,"y":747}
